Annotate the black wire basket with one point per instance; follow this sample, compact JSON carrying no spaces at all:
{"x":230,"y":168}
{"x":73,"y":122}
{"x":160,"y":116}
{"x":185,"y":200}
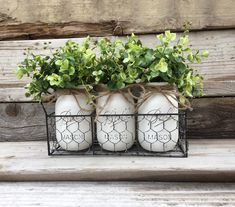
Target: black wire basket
{"x":160,"y":135}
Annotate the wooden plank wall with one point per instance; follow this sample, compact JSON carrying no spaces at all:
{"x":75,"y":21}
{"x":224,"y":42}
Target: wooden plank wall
{"x":211,"y":118}
{"x":213,"y":25}
{"x":24,"y":19}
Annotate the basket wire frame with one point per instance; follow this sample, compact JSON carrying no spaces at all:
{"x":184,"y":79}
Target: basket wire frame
{"x":95,"y":148}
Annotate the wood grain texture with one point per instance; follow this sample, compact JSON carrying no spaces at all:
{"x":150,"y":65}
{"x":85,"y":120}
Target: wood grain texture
{"x":62,"y":18}
{"x":13,"y":95}
{"x":219,"y":88}
{"x":219,"y":67}
{"x":45,"y":30}
{"x":22,"y":122}
{"x":211,"y":118}
{"x":208,"y":161}
{"x":125,"y":194}
{"x":211,"y":89}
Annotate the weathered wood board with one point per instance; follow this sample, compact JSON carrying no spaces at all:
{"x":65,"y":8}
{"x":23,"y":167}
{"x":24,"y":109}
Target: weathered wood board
{"x":218,"y":69}
{"x":211,"y":118}
{"x":117,"y":194}
{"x":73,"y":18}
{"x":211,"y":89}
{"x":22,"y":122}
{"x":208,"y":161}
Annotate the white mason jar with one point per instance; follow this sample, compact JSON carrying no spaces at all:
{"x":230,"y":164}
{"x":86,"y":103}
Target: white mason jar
{"x":73,"y":133}
{"x":115,"y":133}
{"x":158,"y":133}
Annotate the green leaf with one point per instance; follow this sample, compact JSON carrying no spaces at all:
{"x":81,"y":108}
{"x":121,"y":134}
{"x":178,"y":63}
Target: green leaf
{"x":153,"y":74}
{"x":149,"y":56}
{"x":184,"y":40}
{"x":198,"y":58}
{"x":54,"y":79}
{"x":123,"y":76}
{"x":126,"y":60}
{"x":113,"y":85}
{"x":120,"y":85}
{"x":64,"y":66}
{"x":190,"y":57}
{"x":161,"y":38}
{"x":19,"y":73}
{"x":71,"y":70}
{"x":170,"y":36}
{"x":97,"y":79}
{"x":97,"y":73}
{"x":205,"y":54}
{"x":187,"y":50}
{"x":182,"y":99}
{"x":58,"y":62}
{"x":66,"y":77}
{"x":188,"y":77}
{"x":161,"y":66}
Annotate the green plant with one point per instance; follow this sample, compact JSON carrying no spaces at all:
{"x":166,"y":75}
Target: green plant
{"x":109,"y":68}
{"x":121,"y":64}
{"x":68,"y":67}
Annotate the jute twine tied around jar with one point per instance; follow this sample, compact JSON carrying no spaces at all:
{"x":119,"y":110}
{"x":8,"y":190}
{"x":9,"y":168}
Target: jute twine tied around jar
{"x":165,"y":90}
{"x":145,"y":92}
{"x":139,"y":92}
{"x":52,"y":97}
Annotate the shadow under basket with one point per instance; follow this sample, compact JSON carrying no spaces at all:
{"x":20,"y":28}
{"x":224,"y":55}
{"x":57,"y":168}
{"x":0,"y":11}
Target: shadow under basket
{"x":160,"y":135}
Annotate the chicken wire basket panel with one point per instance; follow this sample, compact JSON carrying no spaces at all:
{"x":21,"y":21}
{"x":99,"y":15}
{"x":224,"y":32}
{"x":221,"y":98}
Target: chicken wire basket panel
{"x":70,"y":137}
{"x":183,"y":141}
{"x":162,"y":135}
{"x":120,"y":136}
{"x":68,"y":134}
{"x":115,"y":132}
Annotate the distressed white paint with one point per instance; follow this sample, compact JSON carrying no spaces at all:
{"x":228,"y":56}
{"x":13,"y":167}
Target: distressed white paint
{"x":73,"y":133}
{"x":115,"y":133}
{"x":158,"y":133}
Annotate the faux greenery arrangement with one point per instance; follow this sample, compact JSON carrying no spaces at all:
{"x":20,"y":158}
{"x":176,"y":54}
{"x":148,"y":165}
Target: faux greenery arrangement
{"x":68,"y":67}
{"x":121,"y":64}
{"x":118,"y":64}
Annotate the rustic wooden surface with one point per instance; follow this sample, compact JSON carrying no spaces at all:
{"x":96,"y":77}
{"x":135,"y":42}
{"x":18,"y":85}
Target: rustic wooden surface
{"x":22,"y":122}
{"x":121,"y":194}
{"x":41,"y":19}
{"x":209,"y":160}
{"x":211,"y":118}
{"x":219,"y":67}
{"x":211,"y":89}
{"x":219,"y":88}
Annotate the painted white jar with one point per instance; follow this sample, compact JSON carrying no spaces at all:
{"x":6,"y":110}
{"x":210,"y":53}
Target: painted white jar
{"x":158,"y":133}
{"x":73,"y":133}
{"x":115,"y":133}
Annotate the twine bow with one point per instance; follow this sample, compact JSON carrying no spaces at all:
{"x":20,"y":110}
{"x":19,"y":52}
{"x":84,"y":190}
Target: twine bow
{"x":167,"y":91}
{"x":50,"y":98}
{"x":103,"y":91}
{"x":139,"y":92}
